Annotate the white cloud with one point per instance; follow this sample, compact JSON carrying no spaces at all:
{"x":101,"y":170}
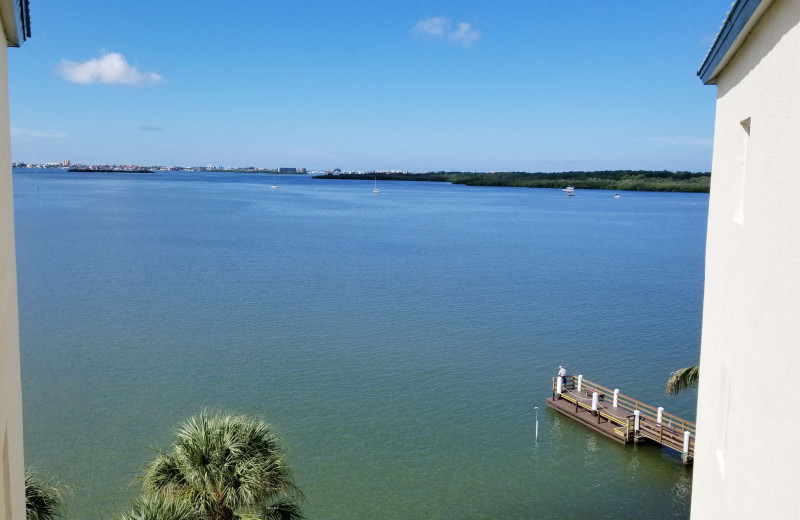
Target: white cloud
{"x":433,"y":26}
{"x":465,"y":34}
{"x":110,"y":68}
{"x":38,"y":133}
{"x":442,"y":28}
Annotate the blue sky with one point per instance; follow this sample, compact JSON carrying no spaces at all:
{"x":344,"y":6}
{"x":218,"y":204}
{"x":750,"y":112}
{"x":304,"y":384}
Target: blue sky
{"x":466,"y":85}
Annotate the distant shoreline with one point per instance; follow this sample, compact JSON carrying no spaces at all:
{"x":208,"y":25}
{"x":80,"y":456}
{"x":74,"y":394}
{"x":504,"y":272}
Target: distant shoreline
{"x":613,"y":180}
{"x":90,"y":169}
{"x":106,"y":170}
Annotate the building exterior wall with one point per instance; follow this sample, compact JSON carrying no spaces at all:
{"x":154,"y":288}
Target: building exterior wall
{"x":12,"y":486}
{"x":746,"y":461}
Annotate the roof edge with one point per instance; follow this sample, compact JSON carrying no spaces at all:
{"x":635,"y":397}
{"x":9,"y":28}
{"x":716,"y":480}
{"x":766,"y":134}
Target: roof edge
{"x":741,"y":18}
{"x":16,"y":21}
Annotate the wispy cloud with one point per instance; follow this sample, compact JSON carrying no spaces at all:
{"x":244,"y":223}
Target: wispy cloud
{"x":684,"y":140}
{"x":38,"y":133}
{"x":432,"y":26}
{"x":442,"y":28}
{"x":110,"y":68}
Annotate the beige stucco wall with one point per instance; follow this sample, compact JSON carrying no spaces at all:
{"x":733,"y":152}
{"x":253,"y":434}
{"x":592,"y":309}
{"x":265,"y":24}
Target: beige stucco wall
{"x":12,"y":487}
{"x":746,"y":459}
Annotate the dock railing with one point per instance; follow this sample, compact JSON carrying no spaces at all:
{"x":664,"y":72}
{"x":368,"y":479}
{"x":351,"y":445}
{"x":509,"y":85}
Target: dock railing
{"x":654,"y":423}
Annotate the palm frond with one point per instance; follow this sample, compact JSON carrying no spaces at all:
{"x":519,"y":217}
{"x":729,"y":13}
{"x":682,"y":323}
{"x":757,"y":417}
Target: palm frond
{"x":43,"y":498}
{"x":683,"y":379}
{"x":153,"y":508}
{"x":224,"y":465}
{"x":282,"y":510}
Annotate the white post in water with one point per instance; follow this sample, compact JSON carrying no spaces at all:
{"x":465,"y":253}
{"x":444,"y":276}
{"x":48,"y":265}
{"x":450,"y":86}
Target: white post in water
{"x":636,"y":421}
{"x":685,"y":455}
{"x":660,"y":414}
{"x":616,"y":396}
{"x":580,"y":381}
{"x":595,"y":398}
{"x":558,"y":385}
{"x":537,"y":422}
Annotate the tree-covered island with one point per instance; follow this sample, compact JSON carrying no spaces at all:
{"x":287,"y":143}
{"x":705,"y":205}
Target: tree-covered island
{"x":614,"y":180}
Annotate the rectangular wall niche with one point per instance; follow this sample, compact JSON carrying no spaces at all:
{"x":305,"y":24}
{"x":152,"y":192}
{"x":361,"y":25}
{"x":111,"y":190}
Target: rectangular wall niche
{"x":741,"y":175}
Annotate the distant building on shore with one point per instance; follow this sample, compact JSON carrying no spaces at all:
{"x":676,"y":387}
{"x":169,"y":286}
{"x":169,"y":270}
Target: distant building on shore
{"x":287,"y":170}
{"x":746,"y":465}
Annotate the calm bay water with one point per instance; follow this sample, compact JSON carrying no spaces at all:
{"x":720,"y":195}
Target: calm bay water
{"x":398,"y":342}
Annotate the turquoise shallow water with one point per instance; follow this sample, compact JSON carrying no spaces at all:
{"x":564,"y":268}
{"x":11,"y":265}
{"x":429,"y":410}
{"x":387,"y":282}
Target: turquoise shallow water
{"x":398,"y":342}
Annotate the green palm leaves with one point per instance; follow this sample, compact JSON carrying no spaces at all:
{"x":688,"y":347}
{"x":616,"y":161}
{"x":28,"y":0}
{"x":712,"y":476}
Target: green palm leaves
{"x":149,"y":508}
{"x":221,"y":467}
{"x":683,"y":379}
{"x":43,"y":498}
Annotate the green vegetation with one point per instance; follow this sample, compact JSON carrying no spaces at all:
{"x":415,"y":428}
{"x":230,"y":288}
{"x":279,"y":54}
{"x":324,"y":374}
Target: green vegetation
{"x":221,"y":467}
{"x":148,"y":508}
{"x":683,"y":379}
{"x":614,"y":180}
{"x":44,"y":498}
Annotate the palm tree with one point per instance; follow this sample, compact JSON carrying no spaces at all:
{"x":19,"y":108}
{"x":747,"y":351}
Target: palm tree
{"x":43,"y":498}
{"x":683,"y":379}
{"x":147,"y":508}
{"x":225,"y":466}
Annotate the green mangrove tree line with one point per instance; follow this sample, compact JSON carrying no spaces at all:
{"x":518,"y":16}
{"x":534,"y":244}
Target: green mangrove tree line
{"x":615,"y":180}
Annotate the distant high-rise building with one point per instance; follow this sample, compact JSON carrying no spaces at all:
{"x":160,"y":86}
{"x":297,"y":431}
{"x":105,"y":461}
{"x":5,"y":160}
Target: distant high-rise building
{"x":65,"y":162}
{"x":287,"y":170}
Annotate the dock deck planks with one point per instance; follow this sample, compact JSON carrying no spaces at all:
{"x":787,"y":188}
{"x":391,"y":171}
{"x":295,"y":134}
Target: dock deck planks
{"x":617,"y":422}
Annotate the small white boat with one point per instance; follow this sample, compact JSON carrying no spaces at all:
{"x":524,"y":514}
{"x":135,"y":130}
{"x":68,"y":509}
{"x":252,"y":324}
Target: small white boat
{"x":616,"y":196}
{"x":569,"y":190}
{"x":274,"y":187}
{"x":375,"y":190}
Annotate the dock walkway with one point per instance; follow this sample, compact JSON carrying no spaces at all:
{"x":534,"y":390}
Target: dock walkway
{"x":620,"y":417}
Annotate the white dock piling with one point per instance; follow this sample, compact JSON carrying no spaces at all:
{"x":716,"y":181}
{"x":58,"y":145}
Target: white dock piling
{"x":685,"y":455}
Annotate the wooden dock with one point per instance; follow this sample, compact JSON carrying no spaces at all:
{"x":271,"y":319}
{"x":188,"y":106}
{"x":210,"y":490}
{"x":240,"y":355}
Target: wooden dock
{"x":620,"y":417}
